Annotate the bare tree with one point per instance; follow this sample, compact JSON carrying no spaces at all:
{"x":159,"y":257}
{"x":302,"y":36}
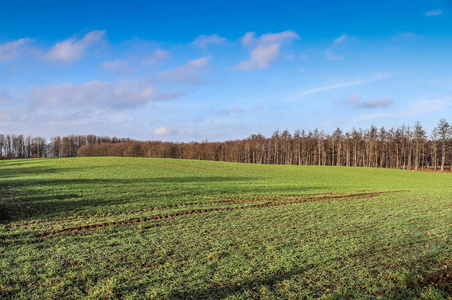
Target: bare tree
{"x":443,"y":131}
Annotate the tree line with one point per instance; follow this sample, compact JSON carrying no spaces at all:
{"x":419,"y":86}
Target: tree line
{"x":406,"y":147}
{"x":20,"y":146}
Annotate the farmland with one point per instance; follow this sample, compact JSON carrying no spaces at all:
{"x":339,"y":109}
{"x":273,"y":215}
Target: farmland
{"x":161,"y":228}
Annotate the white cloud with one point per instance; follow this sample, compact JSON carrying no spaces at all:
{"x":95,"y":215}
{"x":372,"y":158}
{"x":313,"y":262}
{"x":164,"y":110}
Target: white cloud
{"x":72,"y":49}
{"x":261,"y":57}
{"x":12,"y":50}
{"x":266,"y":50}
{"x":188,"y":73}
{"x":340,"y":39}
{"x":107,"y":107}
{"x":248,"y":38}
{"x":205,"y":40}
{"x":162,"y":131}
{"x":435,"y":12}
{"x":278,"y":37}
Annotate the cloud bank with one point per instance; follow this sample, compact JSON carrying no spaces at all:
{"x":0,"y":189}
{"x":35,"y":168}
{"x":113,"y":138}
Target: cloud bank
{"x":98,"y":94}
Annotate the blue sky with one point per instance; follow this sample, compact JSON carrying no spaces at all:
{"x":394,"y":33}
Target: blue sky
{"x":221,"y":70}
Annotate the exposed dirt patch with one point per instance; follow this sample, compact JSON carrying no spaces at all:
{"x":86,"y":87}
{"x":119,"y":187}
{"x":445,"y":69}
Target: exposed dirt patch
{"x":441,"y":279}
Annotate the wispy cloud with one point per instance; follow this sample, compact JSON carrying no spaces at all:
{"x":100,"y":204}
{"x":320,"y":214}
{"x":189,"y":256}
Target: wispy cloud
{"x":435,"y":12}
{"x":188,"y":73}
{"x":12,"y":50}
{"x":266,"y":49}
{"x":73,"y":48}
{"x":355,"y":100}
{"x":327,"y":88}
{"x":418,"y":108}
{"x":206,"y":40}
{"x":377,"y":77}
{"x":329,"y":53}
{"x":340,"y":39}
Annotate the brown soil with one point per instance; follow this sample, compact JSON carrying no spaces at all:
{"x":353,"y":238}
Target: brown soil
{"x":441,"y":279}
{"x":82,"y":228}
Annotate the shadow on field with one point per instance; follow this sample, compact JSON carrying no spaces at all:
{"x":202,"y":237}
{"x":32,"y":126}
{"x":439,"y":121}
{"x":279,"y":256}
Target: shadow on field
{"x":423,"y":282}
{"x":251,"y":287}
{"x":26,"y":171}
{"x":39,"y":197}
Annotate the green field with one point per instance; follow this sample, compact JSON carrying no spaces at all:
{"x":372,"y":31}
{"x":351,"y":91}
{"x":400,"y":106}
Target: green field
{"x":159,"y":228}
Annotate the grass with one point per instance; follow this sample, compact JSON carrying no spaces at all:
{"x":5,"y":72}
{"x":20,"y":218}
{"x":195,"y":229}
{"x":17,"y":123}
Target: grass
{"x":157,"y":228}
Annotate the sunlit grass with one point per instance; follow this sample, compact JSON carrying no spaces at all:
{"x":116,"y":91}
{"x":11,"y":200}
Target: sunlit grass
{"x":389,"y":245}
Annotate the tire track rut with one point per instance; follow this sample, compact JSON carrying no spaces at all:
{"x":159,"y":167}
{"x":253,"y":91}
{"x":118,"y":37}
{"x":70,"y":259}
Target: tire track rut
{"x":231,"y":200}
{"x":83,"y":228}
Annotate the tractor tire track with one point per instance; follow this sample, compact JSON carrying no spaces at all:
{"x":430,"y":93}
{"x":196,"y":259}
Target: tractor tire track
{"x":83,"y":228}
{"x":231,"y":200}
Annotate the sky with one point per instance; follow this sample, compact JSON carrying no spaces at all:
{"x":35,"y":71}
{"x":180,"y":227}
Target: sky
{"x":187,"y":71}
